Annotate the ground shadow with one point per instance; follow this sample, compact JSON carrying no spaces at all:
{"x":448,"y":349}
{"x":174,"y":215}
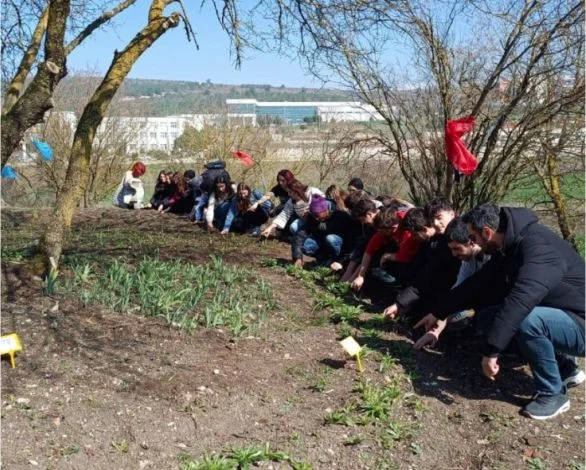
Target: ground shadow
{"x":333,"y":363}
{"x":453,"y":371}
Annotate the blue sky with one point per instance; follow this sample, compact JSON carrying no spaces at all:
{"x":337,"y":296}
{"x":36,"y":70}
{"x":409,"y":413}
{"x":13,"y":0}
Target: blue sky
{"x":172,"y":57}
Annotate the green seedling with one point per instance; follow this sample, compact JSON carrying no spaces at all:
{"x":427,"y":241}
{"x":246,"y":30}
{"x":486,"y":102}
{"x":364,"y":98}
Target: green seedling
{"x":209,"y":462}
{"x":120,"y":446}
{"x":50,"y":284}
{"x":573,"y":465}
{"x":269,"y":263}
{"x":247,"y":456}
{"x":387,"y":363}
{"x":346,"y":313}
{"x":70,"y":450}
{"x":415,"y":448}
{"x":535,"y":463}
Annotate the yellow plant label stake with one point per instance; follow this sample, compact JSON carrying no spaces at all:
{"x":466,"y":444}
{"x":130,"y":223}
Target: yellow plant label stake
{"x":353,"y":349}
{"x":9,"y":344}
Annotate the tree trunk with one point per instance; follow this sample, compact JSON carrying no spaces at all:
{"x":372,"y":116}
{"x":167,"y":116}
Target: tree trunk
{"x":559,"y":202}
{"x":76,"y":179}
{"x":28,"y":59}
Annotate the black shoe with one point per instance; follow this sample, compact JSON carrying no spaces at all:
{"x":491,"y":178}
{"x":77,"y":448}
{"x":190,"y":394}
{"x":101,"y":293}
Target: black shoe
{"x":547,"y":406}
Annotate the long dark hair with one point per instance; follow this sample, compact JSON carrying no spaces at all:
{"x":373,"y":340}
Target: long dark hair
{"x":298,"y":190}
{"x":160,"y":185}
{"x":243,"y":203}
{"x":286,"y":175}
{"x":227,"y":182}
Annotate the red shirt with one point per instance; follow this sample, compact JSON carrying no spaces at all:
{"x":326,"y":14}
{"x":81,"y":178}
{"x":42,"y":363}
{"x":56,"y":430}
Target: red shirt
{"x":407,"y":244}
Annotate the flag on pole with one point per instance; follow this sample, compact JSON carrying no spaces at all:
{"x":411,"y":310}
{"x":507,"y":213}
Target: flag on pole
{"x":44,"y":149}
{"x":243,"y":157}
{"x":458,"y":155}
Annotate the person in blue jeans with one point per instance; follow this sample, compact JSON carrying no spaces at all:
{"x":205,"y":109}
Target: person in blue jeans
{"x":326,"y":235}
{"x":534,"y":282}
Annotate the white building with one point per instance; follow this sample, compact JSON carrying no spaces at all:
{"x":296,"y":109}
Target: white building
{"x":251,"y":111}
{"x":157,"y":133}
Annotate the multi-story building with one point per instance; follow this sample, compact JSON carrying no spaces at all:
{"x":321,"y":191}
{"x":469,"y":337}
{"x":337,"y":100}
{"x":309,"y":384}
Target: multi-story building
{"x":251,"y":111}
{"x":160,"y":133}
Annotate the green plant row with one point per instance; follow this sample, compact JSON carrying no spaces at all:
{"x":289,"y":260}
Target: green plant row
{"x":240,"y":459}
{"x":185,"y":295}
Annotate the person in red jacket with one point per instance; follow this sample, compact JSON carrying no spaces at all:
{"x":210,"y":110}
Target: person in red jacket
{"x":390,"y":236}
{"x":435,"y":269}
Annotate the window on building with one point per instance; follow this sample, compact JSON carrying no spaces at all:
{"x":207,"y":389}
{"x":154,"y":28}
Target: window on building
{"x":173,"y":135}
{"x":153,"y":135}
{"x":173,"y":124}
{"x":163,"y":135}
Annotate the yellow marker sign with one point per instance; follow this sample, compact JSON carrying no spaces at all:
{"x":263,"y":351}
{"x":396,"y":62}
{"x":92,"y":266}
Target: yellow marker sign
{"x":353,"y":349}
{"x":9,"y":344}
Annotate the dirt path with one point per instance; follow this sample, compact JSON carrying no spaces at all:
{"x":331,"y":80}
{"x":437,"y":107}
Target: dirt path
{"x":98,"y":390}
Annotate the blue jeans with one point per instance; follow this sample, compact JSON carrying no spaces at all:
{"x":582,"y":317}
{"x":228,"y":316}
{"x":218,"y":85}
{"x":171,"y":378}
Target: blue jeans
{"x":197,"y":211}
{"x":543,"y":333}
{"x":330,"y":246}
{"x":220,"y":212}
{"x":296,"y":225}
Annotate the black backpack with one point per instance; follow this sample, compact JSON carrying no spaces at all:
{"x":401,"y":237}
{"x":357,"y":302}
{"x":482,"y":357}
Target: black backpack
{"x":213,"y":170}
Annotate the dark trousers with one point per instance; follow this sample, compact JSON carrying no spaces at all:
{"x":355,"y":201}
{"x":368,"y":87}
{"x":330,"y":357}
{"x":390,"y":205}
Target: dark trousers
{"x":248,"y":220}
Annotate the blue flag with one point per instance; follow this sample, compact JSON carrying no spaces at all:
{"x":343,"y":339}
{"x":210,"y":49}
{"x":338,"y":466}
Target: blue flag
{"x":8,"y":173}
{"x":44,"y":149}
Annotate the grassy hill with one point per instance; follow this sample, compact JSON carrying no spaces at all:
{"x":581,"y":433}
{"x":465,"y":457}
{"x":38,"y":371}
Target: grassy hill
{"x":166,"y":97}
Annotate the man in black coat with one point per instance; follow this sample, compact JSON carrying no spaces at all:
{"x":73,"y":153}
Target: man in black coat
{"x":535,"y":282}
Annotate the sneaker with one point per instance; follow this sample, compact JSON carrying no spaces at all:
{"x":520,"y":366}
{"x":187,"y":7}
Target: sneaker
{"x":547,"y":406}
{"x":255,"y":232}
{"x":460,"y":320}
{"x":572,"y":376}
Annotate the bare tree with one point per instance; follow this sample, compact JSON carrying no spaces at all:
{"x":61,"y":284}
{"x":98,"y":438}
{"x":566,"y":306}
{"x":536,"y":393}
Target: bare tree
{"x":558,"y":150}
{"x":453,"y":72}
{"x":25,"y":107}
{"x":76,"y":178}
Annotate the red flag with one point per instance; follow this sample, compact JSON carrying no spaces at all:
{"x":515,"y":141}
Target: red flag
{"x":243,"y":157}
{"x":458,"y":155}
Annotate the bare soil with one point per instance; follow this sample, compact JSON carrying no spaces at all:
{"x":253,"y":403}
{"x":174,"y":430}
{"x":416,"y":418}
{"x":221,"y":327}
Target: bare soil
{"x":93,"y":389}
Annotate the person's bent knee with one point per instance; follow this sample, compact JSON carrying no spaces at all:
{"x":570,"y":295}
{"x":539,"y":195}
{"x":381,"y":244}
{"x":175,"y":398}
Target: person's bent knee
{"x":533,"y":324}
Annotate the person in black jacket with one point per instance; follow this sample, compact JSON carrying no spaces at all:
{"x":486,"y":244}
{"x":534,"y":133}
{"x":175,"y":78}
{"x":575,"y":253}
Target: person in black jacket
{"x":535,"y":281}
{"x":163,"y":191}
{"x":434,"y":269}
{"x":326,"y":235}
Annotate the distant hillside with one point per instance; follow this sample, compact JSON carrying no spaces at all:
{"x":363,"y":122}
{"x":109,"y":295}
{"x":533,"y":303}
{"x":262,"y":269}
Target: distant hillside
{"x":166,"y":97}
